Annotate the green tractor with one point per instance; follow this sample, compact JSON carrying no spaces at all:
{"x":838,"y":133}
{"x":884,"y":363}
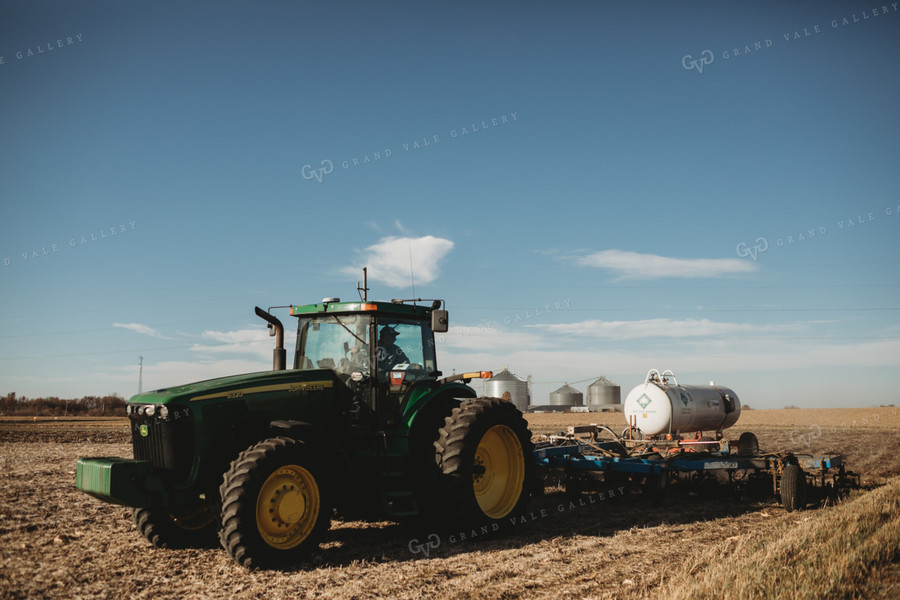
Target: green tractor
{"x":363,"y":424}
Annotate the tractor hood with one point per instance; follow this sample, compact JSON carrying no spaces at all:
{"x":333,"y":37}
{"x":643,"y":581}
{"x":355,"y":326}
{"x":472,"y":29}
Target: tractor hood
{"x":242,"y":386}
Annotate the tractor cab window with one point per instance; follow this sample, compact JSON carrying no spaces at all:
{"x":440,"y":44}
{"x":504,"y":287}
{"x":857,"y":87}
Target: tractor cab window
{"x":406,"y":346}
{"x":333,"y":342}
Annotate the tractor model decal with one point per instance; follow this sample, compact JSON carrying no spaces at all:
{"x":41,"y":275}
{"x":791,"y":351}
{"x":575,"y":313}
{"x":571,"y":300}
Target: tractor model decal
{"x":305,"y":386}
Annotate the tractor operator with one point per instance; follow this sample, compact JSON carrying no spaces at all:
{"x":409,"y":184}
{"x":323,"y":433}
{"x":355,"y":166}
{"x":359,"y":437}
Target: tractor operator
{"x":389,"y":354}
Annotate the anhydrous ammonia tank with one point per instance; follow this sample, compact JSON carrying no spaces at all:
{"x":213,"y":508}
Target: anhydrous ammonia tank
{"x":660,"y":406}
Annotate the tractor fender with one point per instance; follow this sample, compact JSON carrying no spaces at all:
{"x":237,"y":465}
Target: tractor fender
{"x":430,"y":412}
{"x":451,"y":394}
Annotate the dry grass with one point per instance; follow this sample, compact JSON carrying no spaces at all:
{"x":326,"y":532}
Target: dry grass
{"x":829,"y":554}
{"x":56,"y":542}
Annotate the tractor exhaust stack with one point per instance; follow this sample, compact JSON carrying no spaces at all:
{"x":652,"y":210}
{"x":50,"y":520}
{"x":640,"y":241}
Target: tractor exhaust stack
{"x":279,"y":356}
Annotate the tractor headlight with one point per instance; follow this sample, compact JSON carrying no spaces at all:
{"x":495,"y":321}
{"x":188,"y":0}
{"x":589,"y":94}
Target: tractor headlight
{"x":164,"y":411}
{"x":150,"y":410}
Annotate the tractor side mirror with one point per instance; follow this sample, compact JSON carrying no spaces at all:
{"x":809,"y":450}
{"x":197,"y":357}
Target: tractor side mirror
{"x":440,"y":321}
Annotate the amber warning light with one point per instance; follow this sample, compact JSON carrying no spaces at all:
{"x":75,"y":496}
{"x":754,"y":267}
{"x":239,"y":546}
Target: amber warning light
{"x":479,"y":375}
{"x":466,"y":377}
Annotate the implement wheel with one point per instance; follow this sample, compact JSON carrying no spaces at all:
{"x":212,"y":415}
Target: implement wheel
{"x":484,"y":453}
{"x":275,"y":505}
{"x":748,"y":445}
{"x":793,"y":488}
{"x":176,"y":528}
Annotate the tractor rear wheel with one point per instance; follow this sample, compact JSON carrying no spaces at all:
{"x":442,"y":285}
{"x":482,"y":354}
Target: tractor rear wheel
{"x":181,"y":528}
{"x":275,"y":504}
{"x":793,"y":488}
{"x":484,"y":455}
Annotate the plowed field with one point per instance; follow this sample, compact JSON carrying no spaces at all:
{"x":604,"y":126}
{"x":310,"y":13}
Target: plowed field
{"x":56,"y":542}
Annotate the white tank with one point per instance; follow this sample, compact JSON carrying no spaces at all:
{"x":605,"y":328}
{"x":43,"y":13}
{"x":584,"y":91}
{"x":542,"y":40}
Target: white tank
{"x":660,"y":406}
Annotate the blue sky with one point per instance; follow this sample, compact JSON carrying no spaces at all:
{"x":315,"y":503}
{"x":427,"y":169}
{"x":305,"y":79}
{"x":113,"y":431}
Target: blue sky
{"x":593,"y":187}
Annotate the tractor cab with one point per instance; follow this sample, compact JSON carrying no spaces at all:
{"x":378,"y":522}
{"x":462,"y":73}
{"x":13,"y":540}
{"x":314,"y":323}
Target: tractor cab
{"x":378,"y":349}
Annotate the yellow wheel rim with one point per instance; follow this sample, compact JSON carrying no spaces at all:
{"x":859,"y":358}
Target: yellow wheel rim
{"x":287,"y":507}
{"x":499,"y":472}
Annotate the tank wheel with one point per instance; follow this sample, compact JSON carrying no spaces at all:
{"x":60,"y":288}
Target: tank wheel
{"x":275,"y":504}
{"x":484,"y":455}
{"x":793,"y":488}
{"x":176,"y":528}
{"x":748,"y":445}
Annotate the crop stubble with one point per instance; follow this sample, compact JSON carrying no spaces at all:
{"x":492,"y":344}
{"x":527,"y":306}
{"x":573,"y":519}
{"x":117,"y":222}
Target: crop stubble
{"x":58,"y":542}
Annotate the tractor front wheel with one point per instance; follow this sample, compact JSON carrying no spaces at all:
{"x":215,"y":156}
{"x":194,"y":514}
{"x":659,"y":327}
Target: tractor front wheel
{"x":484,"y":453}
{"x":176,"y":528}
{"x":275,"y":504}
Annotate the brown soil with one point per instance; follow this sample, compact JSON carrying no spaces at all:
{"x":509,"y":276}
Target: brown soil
{"x":56,"y":542}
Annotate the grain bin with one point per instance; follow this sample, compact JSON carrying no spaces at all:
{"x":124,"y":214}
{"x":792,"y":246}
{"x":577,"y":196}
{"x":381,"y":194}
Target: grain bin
{"x":566,"y":396}
{"x":603,"y":393}
{"x":505,"y":382}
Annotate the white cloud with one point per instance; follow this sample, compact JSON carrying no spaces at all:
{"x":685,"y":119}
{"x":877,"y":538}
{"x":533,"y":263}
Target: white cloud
{"x":388,"y":261}
{"x":486,"y":339}
{"x":634,"y":265}
{"x":241,"y":341}
{"x":142,"y":329}
{"x":656,"y":328}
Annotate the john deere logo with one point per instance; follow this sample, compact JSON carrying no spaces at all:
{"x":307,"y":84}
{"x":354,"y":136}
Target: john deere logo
{"x":643,"y":401}
{"x":145,"y":431}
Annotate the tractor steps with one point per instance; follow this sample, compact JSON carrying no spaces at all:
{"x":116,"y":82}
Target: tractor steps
{"x":398,"y":496}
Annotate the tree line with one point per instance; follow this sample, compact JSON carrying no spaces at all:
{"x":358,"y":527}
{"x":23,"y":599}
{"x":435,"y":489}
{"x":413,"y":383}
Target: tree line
{"x":86,"y":406}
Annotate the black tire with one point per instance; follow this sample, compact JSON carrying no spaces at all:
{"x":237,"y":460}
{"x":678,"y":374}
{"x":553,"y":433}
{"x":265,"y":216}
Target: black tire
{"x":275,"y":504}
{"x":748,"y":445}
{"x":486,"y":462}
{"x":186,"y":528}
{"x":793,"y":488}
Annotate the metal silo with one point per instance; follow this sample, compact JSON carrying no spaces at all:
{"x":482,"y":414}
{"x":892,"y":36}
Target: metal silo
{"x":566,"y":396}
{"x":510,"y":386}
{"x":603,"y":393}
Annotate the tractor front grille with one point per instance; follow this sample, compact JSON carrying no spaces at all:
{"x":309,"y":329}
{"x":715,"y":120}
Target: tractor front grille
{"x":168,"y":443}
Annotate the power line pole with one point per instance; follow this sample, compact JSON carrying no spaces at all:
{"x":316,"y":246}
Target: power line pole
{"x":141,"y":375}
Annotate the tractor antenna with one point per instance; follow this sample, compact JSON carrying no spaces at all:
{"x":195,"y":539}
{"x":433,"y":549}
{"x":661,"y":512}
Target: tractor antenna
{"x":364,"y":290}
{"x":411,"y":278}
